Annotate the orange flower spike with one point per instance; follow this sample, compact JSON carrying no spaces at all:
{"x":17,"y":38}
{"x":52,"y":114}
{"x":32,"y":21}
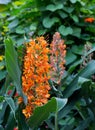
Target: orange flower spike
{"x":35,"y":75}
{"x":89,"y":20}
{"x":57,"y":61}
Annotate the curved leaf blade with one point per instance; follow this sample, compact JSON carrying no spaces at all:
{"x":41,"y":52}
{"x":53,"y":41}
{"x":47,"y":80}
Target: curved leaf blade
{"x":86,"y":73}
{"x":42,"y":113}
{"x":12,"y":64}
{"x":61,"y":103}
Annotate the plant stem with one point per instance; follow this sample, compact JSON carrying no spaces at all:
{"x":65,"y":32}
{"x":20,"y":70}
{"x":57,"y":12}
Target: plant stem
{"x":56,"y":121}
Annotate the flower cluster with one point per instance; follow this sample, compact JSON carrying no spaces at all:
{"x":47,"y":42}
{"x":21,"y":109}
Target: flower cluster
{"x":89,"y":20}
{"x":35,"y":75}
{"x":58,"y":52}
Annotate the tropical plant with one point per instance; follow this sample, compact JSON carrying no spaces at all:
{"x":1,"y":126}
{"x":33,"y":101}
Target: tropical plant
{"x":47,"y":82}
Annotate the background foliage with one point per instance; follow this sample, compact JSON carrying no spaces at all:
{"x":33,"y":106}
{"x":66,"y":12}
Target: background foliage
{"x":21,"y":20}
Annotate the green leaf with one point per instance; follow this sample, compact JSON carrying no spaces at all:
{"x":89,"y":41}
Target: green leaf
{"x":11,"y":103}
{"x":13,"y":24}
{"x":69,"y":42}
{"x":73,"y":1}
{"x":83,"y":124}
{"x":62,"y":14}
{"x":2,"y":112}
{"x":11,"y":122}
{"x":53,"y":7}
{"x":7,"y":83}
{"x":42,"y":113}
{"x":20,"y":30}
{"x":74,"y":65}
{"x":75,"y":18}
{"x":82,"y":80}
{"x":2,"y":8}
{"x":12,"y":64}
{"x":86,"y":73}
{"x":42,"y":32}
{"x":69,"y":106}
{"x":1,"y":127}
{"x":68,"y":9}
{"x":65,"y":30}
{"x":2,"y":74}
{"x":60,"y":103}
{"x":33,"y":26}
{"x":70,"y":57}
{"x":21,"y":120}
{"x":78,"y":49}
{"x":49,"y":22}
{"x":76,"y":32}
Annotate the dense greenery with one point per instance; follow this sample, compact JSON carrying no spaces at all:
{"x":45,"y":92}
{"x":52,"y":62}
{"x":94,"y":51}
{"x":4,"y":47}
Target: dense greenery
{"x":73,"y":106}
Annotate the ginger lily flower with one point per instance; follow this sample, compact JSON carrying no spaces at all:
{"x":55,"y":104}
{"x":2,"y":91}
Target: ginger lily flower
{"x":35,"y":75}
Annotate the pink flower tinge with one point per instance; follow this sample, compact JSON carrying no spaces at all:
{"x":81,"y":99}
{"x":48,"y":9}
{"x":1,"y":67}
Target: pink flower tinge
{"x":57,"y":61}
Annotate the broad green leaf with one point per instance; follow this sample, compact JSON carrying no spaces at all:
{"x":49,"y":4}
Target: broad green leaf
{"x":78,"y":49}
{"x":69,"y":42}
{"x":55,"y":104}
{"x":82,"y":80}
{"x":13,"y":24}
{"x":53,"y":7}
{"x":33,"y":26}
{"x":3,"y":74}
{"x":65,"y":30}
{"x":42,"y":113}
{"x":12,"y":64}
{"x":68,"y":9}
{"x":86,"y":73}
{"x":20,"y":30}
{"x":11,"y":103}
{"x":75,"y":18}
{"x":73,"y":1}
{"x":83,"y":124}
{"x":4,"y":88}
{"x":1,"y":127}
{"x":49,"y":22}
{"x":69,"y":106}
{"x":42,"y":32}
{"x":69,"y":120}
{"x":11,"y":122}
{"x":74,"y":65}
{"x":76,"y":32}
{"x":85,"y":36}
{"x":70,"y":57}
{"x":60,"y":103}
{"x":21,"y":120}
{"x":62,"y":14}
{"x":3,"y":112}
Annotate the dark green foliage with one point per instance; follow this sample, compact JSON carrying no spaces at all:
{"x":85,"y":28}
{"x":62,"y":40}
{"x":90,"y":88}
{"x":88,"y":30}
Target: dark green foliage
{"x":73,"y":106}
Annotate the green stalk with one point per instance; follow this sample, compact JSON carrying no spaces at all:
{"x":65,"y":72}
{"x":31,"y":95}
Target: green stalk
{"x":56,"y":120}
